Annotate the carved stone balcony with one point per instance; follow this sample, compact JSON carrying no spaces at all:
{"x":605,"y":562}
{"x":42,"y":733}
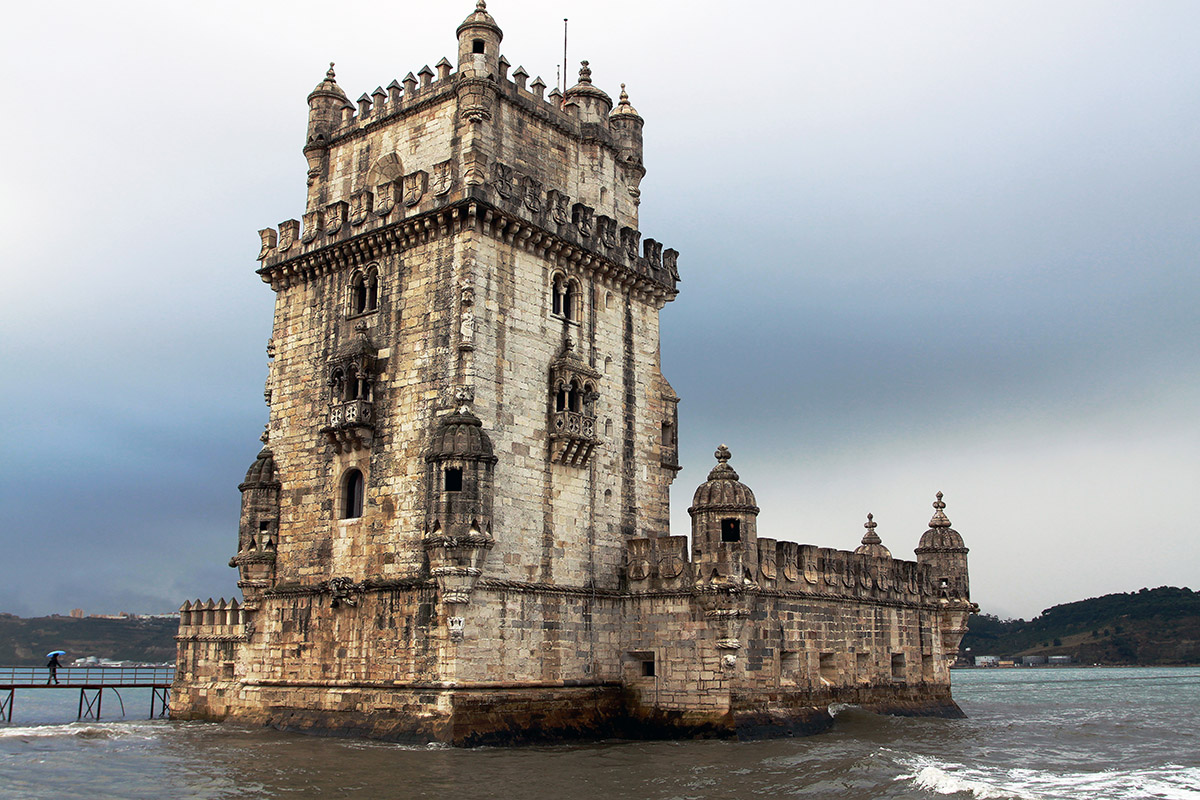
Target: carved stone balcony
{"x":351,"y":425}
{"x":572,"y":437}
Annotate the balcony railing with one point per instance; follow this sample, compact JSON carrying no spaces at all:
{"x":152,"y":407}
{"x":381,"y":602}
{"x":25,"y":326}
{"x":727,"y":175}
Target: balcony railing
{"x":572,"y":437}
{"x":351,"y":414}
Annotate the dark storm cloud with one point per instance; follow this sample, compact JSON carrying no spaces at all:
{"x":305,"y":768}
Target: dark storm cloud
{"x":925,"y":246}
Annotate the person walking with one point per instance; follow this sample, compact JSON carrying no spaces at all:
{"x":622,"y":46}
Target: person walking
{"x":53,"y":666}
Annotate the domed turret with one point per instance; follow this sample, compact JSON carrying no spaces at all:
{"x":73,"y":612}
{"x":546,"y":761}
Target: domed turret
{"x":872,"y":545}
{"x":458,"y":532}
{"x":724,"y":526}
{"x":325,"y":104}
{"x":627,"y":124}
{"x":479,"y":43}
{"x":258,"y":529}
{"x":594,"y":104}
{"x":942,"y":548}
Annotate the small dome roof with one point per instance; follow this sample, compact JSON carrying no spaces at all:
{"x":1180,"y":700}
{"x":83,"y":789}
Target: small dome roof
{"x":624,"y":108}
{"x":460,"y":435}
{"x":872,"y":545}
{"x":723,"y":491}
{"x":261,"y":472}
{"x":585,"y":87}
{"x":940,"y":536}
{"x":328,"y":87}
{"x":479,"y":18}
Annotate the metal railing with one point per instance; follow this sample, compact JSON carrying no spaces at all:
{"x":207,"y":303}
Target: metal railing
{"x":88,"y":676}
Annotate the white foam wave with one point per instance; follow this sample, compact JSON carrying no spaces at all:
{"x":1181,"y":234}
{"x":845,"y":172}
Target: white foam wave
{"x":83,"y":730}
{"x":936,"y":779}
{"x":1168,"y":782}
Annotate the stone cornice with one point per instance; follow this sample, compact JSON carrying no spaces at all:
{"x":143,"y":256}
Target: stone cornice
{"x":468,"y":210}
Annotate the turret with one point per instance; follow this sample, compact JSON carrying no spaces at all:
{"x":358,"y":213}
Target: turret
{"x":258,"y":532}
{"x":943,"y":550}
{"x":724,"y":528}
{"x":593,"y":103}
{"x":626,"y":125}
{"x":458,"y":533}
{"x":325,"y":104}
{"x":479,"y":43}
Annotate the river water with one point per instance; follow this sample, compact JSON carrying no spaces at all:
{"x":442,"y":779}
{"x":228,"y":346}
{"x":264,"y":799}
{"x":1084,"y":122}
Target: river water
{"x":1030,"y":733}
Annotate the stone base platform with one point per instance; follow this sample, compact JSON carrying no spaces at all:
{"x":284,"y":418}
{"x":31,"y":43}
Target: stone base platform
{"x":515,"y":715}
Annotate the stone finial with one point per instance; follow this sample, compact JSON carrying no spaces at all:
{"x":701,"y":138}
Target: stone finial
{"x":426,"y":76}
{"x":585,"y":72}
{"x":443,"y":69}
{"x":265,"y":436}
{"x":410,"y":84}
{"x":538,"y":86}
{"x":722,"y":471}
{"x":940,"y":520}
{"x":329,"y":74}
{"x":481,"y":5}
{"x":504,"y":64}
{"x":364,"y":105}
{"x":394,"y":91}
{"x":624,"y":106}
{"x":520,"y":76}
{"x":870,"y":537}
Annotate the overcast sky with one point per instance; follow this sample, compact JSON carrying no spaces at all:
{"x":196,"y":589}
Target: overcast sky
{"x":924,"y":246}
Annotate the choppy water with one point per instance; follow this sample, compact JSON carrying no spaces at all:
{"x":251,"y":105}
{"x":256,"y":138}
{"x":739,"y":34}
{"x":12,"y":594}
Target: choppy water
{"x":1048,"y":733}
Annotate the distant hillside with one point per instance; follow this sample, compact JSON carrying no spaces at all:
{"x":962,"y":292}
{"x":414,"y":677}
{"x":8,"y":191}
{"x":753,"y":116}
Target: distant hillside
{"x":1149,"y":627}
{"x":25,"y":642}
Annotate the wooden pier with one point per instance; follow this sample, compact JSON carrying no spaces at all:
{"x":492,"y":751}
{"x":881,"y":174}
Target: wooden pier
{"x":91,"y":683}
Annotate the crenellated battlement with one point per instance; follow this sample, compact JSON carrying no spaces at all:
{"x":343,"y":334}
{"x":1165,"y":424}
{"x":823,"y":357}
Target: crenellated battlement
{"x":205,"y":619}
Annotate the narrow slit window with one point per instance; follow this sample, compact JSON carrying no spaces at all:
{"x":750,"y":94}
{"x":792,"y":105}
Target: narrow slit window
{"x":453,"y":479}
{"x":352,"y":495}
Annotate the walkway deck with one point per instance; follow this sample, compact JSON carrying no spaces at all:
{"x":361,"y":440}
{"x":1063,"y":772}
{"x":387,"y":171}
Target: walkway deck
{"x":91,"y":683}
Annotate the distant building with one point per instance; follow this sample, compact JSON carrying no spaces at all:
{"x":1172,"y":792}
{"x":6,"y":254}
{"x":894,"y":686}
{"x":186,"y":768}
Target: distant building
{"x":1033,"y":661}
{"x":1059,"y":660}
{"x":987,"y":661}
{"x":77,"y":613}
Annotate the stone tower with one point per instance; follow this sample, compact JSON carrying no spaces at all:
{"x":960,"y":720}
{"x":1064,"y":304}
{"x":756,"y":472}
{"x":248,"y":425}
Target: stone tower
{"x":458,"y":526}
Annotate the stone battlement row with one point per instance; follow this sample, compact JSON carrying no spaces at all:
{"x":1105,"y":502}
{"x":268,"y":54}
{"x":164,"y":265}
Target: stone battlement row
{"x":663,"y":564}
{"x":211,"y":614}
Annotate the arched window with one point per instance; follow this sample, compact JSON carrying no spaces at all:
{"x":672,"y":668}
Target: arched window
{"x":574,"y":397}
{"x":557,"y":287}
{"x":352,"y":494}
{"x":373,"y":290}
{"x":337,"y":386}
{"x":364,"y":291}
{"x":571,"y":300}
{"x":589,"y":394}
{"x":560,"y":398}
{"x":358,"y":294}
{"x":352,"y":384}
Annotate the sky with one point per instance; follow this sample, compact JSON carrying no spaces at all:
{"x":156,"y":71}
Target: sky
{"x":925,"y":246}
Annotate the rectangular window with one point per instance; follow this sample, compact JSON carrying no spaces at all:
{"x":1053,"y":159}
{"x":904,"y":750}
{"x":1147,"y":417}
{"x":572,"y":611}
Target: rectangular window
{"x":829,"y":670}
{"x":648,"y":669}
{"x":453,"y":479}
{"x":731,"y":530}
{"x":789,"y":666}
{"x":897,"y":666}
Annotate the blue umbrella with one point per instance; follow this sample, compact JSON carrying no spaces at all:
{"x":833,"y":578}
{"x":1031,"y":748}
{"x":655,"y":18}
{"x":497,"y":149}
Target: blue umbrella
{"x":54,"y":653}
